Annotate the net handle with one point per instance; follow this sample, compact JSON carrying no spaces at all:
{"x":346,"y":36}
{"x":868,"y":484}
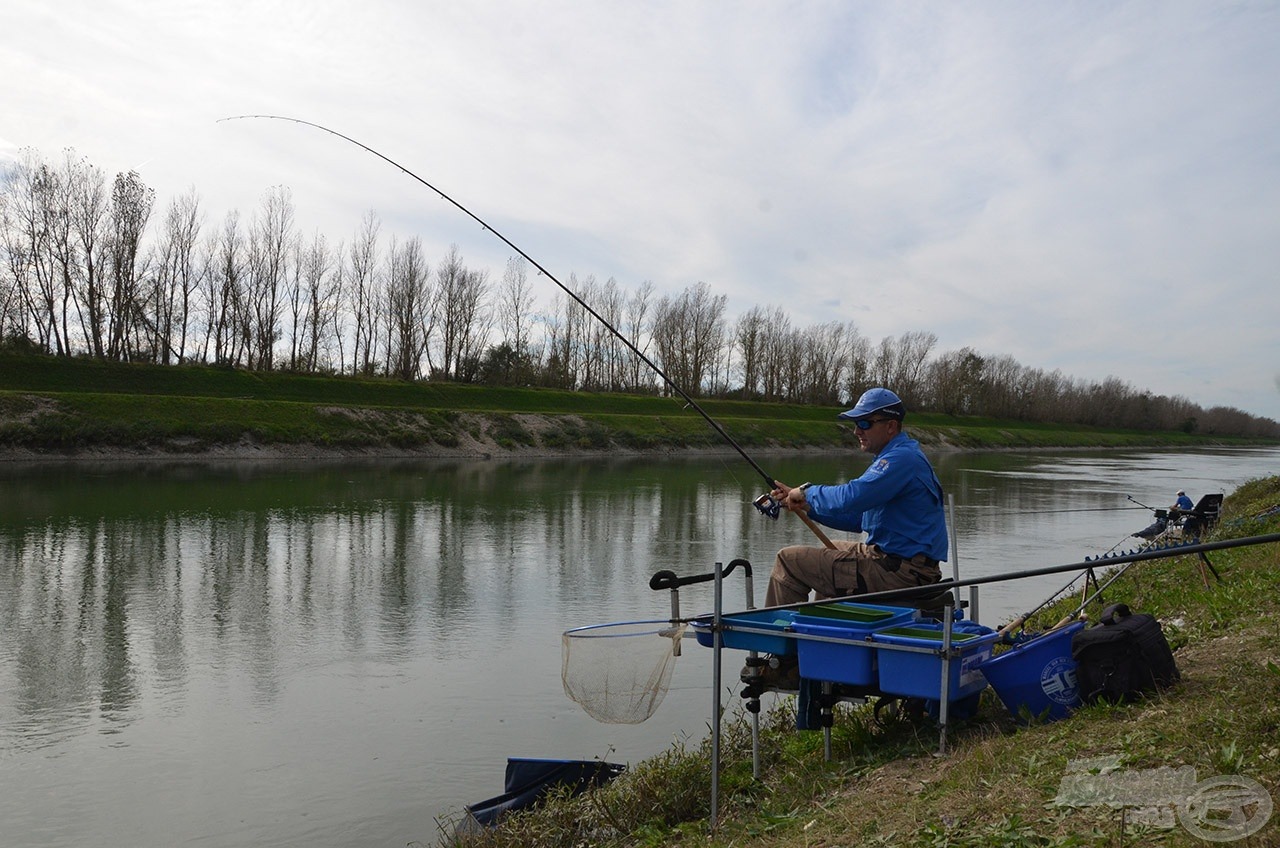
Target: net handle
{"x":669,"y":580}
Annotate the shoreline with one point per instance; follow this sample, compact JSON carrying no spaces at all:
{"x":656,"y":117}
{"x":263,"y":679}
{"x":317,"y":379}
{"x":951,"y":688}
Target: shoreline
{"x":487,"y":450}
{"x":271,"y":453}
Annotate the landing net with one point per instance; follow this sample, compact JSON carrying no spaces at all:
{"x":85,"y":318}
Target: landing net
{"x":619,"y":673}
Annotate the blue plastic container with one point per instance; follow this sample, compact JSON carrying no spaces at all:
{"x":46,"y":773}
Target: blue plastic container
{"x":1037,"y":678}
{"x":775,"y":622}
{"x":843,"y":662}
{"x":858,"y":614}
{"x":913,"y":674}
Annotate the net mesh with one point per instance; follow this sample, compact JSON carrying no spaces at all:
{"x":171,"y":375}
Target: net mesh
{"x":619,"y":673}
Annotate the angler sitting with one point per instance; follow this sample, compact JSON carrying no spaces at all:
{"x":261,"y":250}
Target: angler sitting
{"x":897,"y":502}
{"x":1181,"y":505}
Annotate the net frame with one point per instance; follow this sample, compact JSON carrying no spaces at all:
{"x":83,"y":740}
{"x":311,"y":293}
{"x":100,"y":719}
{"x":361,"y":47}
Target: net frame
{"x":616,"y":676}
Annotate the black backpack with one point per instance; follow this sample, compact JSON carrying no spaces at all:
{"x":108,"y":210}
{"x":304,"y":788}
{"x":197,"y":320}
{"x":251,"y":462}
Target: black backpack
{"x":1122,"y":657}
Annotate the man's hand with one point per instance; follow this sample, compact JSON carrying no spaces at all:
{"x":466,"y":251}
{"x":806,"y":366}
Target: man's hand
{"x":791,"y":497}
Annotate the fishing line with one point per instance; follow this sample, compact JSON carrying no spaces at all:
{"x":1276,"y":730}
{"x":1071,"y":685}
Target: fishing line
{"x":473,"y":216}
{"x":977,"y":508}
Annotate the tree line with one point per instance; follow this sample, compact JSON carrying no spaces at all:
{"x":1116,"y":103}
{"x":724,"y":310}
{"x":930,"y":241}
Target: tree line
{"x":91,"y":267}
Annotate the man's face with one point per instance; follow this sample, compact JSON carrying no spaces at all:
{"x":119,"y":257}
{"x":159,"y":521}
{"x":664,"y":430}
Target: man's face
{"x":878,"y":434}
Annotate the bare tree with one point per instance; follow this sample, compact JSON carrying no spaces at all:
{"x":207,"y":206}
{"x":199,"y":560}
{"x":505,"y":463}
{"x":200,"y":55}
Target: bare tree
{"x":131,"y":204}
{"x":750,"y":335}
{"x":857,"y":364}
{"x":511,"y":361}
{"x":824,"y":354}
{"x":270,"y":248}
{"x":955,"y":382}
{"x":777,"y":351}
{"x":451,"y":280}
{"x":475,"y":323}
{"x":515,"y":306}
{"x":313,"y":303}
{"x":407,"y":304}
{"x":639,"y":376}
{"x":363,"y":295}
{"x":26,"y":194}
{"x":900,"y":363}
{"x":88,"y":208}
{"x":591,"y":345}
{"x":562,"y":326}
{"x":52,"y":254}
{"x":332,"y":357}
{"x":180,"y":270}
{"x":226,"y":298}
{"x":999,"y":386}
{"x":689,"y":335}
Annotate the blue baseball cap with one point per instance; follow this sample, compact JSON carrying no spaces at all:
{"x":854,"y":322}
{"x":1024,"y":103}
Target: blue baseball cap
{"x":877,"y":400}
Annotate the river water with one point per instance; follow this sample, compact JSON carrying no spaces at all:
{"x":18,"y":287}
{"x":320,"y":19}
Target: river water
{"x":334,"y":654}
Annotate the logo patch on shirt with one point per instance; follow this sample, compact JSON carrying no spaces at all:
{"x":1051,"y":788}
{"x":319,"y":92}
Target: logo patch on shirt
{"x":880,"y":466}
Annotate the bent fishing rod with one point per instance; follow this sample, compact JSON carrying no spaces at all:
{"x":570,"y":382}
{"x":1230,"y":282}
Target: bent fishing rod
{"x":765,"y":503}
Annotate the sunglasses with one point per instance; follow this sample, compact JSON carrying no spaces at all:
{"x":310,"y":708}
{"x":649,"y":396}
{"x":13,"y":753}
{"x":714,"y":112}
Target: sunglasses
{"x":868,"y":423}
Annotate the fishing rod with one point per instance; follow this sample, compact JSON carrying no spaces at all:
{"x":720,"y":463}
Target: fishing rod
{"x":916,"y":592}
{"x":1074,"y":614}
{"x":1140,"y":503}
{"x":1057,"y":511}
{"x":1006,"y":631}
{"x":765,"y":503}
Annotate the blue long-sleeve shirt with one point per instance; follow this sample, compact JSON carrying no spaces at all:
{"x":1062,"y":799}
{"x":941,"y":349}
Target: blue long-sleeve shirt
{"x":897,"y":501}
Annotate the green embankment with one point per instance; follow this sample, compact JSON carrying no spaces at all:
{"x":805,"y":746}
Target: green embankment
{"x":61,"y":405}
{"x":1000,"y":785}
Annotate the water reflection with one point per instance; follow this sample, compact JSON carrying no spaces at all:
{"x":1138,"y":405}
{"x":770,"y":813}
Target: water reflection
{"x":365,"y":644}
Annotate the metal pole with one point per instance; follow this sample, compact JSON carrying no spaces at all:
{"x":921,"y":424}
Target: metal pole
{"x":944,"y":689}
{"x":955,"y":558}
{"x":827,"y":689}
{"x":717,"y":640}
{"x":955,"y":551}
{"x":675,"y":617}
{"x":755,"y":717}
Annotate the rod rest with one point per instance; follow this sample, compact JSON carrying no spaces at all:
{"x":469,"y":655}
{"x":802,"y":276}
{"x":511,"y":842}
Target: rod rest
{"x":933,"y":605}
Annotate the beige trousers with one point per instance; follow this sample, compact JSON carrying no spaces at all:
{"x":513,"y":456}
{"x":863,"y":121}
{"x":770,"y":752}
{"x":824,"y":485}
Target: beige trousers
{"x":851,"y":568}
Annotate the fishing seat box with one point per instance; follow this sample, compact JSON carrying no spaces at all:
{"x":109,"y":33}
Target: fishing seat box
{"x":842,"y":662}
{"x":1036,"y":678}
{"x":916,"y":674}
{"x":1122,"y":657}
{"x":774,"y":628}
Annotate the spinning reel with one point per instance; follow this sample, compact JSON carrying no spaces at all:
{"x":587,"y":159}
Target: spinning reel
{"x":768,"y":506}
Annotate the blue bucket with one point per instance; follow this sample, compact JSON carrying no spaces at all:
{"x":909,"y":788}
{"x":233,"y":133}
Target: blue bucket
{"x":1037,"y":677}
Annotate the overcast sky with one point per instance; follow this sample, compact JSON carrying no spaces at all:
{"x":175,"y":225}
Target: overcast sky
{"x":1092,"y":187}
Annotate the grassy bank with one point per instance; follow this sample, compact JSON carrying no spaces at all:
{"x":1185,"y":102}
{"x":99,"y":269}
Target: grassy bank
{"x":67,"y":406}
{"x":996,"y":787}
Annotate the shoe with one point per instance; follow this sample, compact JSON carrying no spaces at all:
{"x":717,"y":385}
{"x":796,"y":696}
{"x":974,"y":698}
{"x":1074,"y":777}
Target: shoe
{"x":771,"y":672}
